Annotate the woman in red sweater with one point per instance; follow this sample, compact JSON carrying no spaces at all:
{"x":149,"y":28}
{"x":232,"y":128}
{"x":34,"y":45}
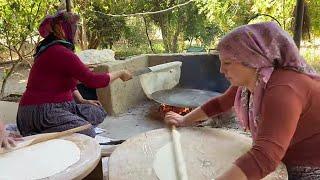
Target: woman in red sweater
{"x":51,"y":101}
{"x":276,"y":96}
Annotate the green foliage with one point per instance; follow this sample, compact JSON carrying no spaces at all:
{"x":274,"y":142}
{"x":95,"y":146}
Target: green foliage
{"x":280,"y":10}
{"x":19,"y":23}
{"x":226,"y":14}
{"x":171,"y":23}
{"x":183,"y":21}
{"x":18,"y":26}
{"x":20,"y":19}
{"x":312,"y":55}
{"x":314,"y":12}
{"x":135,"y":32}
{"x":124,"y":51}
{"x":233,"y":13}
{"x":203,"y":20}
{"x":100,"y":29}
{"x":199,"y":28}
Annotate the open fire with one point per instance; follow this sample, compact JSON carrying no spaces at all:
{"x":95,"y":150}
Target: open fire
{"x":163,"y":109}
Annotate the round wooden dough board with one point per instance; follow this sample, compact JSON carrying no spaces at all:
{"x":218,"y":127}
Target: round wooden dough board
{"x":207,"y":153}
{"x":90,"y":154}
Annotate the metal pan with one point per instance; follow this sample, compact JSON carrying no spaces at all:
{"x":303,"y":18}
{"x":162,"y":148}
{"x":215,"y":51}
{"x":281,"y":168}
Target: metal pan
{"x":181,"y":97}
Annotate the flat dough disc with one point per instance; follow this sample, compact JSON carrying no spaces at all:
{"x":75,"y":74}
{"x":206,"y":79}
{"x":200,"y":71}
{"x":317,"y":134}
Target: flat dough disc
{"x":207,"y":153}
{"x":164,"y":163}
{"x":39,"y":161}
{"x":156,"y":81}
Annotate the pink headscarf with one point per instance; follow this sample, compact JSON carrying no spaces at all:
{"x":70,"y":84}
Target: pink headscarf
{"x":263,"y":46}
{"x":67,"y":20}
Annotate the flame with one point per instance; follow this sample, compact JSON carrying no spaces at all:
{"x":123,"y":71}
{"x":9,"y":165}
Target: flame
{"x":167,"y":108}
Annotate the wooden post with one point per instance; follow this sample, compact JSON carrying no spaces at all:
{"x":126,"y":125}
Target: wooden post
{"x":298,"y":22}
{"x":68,"y":5}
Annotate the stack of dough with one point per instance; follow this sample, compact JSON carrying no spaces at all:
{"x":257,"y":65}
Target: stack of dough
{"x":39,"y":161}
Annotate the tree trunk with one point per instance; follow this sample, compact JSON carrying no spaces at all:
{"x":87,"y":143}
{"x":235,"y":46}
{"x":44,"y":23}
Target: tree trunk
{"x":84,"y":34}
{"x":146,"y":28}
{"x":283,"y":14}
{"x":80,"y":40}
{"x":68,"y":5}
{"x":191,"y":42}
{"x":6,"y":77}
{"x":175,"y":43}
{"x":306,"y":23}
{"x":175,"y":38}
{"x":110,"y":44}
{"x":159,"y":19}
{"x":169,"y":36}
{"x":94,"y":41}
{"x":298,"y":22}
{"x":164,"y":34}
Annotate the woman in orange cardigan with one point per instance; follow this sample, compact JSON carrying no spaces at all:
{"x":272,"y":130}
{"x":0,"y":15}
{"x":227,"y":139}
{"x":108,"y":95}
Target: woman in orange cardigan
{"x":276,"y":96}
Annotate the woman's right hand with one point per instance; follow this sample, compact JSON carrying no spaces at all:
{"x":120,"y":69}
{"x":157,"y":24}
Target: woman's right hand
{"x":125,"y":75}
{"x":174,"y":119}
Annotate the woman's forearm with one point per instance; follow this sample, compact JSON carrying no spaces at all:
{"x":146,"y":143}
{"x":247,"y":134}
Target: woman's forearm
{"x":233,"y":173}
{"x":194,"y":116}
{"x":115,"y":75}
{"x":77,"y":96}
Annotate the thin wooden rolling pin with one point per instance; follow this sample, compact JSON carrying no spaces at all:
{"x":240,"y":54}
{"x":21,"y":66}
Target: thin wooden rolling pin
{"x":179,"y":161}
{"x":30,"y":140}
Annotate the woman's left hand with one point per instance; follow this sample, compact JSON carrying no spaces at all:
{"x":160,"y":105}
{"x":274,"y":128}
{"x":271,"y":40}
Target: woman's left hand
{"x":92,"y":102}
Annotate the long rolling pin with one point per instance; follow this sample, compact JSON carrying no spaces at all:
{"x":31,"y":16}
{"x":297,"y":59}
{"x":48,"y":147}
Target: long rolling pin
{"x":180,"y":164}
{"x":30,"y":140}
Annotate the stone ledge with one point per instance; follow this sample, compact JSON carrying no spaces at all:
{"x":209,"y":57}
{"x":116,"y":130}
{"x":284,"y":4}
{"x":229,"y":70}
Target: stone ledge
{"x":120,"y":96}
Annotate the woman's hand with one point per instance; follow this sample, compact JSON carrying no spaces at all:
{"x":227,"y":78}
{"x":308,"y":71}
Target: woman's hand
{"x":174,"y":119}
{"x":92,"y":102}
{"x":6,"y":140}
{"x":79,"y":99}
{"x":194,"y":117}
{"x":125,"y":75}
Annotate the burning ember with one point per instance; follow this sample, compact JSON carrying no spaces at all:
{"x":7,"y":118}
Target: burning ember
{"x":166,"y":108}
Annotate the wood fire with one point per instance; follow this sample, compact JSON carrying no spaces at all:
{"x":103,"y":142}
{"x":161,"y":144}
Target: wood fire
{"x":164,"y":108}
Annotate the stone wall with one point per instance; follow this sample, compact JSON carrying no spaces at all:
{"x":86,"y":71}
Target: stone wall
{"x":119,"y":96}
{"x":199,"y":71}
{"x":8,"y":113}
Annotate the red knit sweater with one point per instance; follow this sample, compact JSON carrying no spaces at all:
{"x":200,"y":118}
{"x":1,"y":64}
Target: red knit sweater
{"x":55,"y":74}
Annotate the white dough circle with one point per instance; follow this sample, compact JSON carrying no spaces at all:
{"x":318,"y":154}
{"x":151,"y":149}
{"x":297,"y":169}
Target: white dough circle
{"x":39,"y":161}
{"x":164,"y":163}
